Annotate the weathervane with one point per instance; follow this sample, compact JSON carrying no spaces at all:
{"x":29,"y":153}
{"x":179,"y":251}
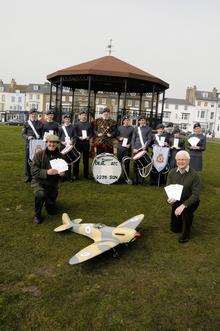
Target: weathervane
{"x":109,"y":47}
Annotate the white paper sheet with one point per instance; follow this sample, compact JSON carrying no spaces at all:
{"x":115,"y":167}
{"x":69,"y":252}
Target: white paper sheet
{"x":124,"y":142}
{"x":193,"y":141}
{"x":176,"y":143}
{"x":59,"y":164}
{"x":174,"y":191}
{"x":84,"y":134}
{"x":160,"y":140}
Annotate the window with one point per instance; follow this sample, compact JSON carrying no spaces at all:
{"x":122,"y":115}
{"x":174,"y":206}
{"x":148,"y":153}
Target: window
{"x":137,"y":103}
{"x":211,"y":115}
{"x":205,"y":95}
{"x":199,"y":103}
{"x":205,"y":104}
{"x":202,"y":115}
{"x":1,"y":88}
{"x":146,"y":103}
{"x":218,"y":128}
{"x":184,"y":126}
{"x":212,"y":106}
{"x":31,"y":96}
{"x":3,"y":98}
{"x":113,"y":102}
{"x":129,"y":103}
{"x":198,"y":114}
{"x":63,"y":98}
{"x":35,"y":87}
{"x":103,"y":101}
{"x":166,"y":115}
{"x":185,"y":116}
{"x":219,"y":105}
{"x":12,"y":99}
{"x":166,"y":105}
{"x":70,"y":98}
{"x":185,"y":107}
{"x":19,"y":99}
{"x":38,"y":96}
{"x":121,"y":103}
{"x":176,"y":107}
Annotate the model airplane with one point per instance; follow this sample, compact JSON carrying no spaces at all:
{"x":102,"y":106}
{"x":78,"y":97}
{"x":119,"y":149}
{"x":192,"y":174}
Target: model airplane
{"x":105,"y":237}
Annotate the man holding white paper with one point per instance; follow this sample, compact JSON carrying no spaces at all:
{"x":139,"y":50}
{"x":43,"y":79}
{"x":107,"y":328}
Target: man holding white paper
{"x":184,"y":205}
{"x":197,"y":145}
{"x":177,"y":143}
{"x":124,"y":136}
{"x":46,"y":176}
{"x":83,"y":133}
{"x":50,"y":126}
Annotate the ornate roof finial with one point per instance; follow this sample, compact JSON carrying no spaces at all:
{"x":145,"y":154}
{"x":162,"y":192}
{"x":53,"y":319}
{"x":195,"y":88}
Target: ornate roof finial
{"x":109,"y":47}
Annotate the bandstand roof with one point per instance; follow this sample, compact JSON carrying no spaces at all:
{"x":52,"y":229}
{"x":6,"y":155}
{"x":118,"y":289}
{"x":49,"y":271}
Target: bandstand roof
{"x":108,"y":74}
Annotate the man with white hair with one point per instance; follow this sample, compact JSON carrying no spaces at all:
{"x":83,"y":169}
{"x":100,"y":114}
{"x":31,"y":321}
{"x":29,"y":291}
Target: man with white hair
{"x":183,"y":210}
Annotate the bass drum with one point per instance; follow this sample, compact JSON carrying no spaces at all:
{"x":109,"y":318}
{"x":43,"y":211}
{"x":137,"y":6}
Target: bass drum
{"x":106,"y":169}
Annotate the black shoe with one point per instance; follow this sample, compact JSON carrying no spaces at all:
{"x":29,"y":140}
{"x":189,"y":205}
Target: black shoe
{"x":88,"y":177}
{"x":27,"y":180}
{"x":37,"y":220}
{"x":75,"y":178}
{"x":183,"y":240}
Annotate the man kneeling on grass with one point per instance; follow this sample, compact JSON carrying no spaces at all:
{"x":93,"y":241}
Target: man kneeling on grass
{"x":45,"y":180}
{"x":183,"y":210}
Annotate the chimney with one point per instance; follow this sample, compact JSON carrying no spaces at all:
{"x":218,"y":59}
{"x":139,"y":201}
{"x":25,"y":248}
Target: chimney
{"x":13,"y":83}
{"x":191,"y":94}
{"x":215,"y":92}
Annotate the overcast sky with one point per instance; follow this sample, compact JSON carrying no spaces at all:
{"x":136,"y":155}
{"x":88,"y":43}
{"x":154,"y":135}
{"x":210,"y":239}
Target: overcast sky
{"x":176,"y":40}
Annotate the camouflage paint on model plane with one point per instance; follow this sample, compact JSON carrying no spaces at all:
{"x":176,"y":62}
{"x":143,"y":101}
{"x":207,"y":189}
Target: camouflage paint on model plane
{"x":105,"y":237}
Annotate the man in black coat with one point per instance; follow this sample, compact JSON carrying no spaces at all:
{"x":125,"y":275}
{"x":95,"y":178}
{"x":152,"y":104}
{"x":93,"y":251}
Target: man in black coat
{"x":83,"y":133}
{"x":50,"y":126}
{"x":32,"y":130}
{"x":141,"y":140}
{"x":124,"y":136}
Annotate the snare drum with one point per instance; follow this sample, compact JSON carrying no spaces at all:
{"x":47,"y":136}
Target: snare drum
{"x":142,"y":159}
{"x":106,"y":168}
{"x":71,"y":154}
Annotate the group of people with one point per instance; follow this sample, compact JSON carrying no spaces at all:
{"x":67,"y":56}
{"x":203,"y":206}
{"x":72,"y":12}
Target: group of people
{"x":103,"y":135}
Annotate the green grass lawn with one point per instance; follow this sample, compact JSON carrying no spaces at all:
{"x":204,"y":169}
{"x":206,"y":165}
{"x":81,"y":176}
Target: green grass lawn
{"x":156,"y":284}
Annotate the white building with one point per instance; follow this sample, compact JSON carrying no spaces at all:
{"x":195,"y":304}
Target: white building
{"x":198,"y":106}
{"x":12,"y":101}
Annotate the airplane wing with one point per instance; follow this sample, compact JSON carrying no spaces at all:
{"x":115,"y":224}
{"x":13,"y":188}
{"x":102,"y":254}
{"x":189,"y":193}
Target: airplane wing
{"x":132,"y":223}
{"x":92,"y":251}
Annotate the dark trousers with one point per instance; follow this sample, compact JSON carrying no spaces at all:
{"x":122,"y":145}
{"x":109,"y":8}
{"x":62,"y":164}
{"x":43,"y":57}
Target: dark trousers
{"x":137,"y":177}
{"x":27,"y":168}
{"x":84,"y":150}
{"x":183,"y":222}
{"x":122,"y":152}
{"x":45,"y":195}
{"x":157,"y":178}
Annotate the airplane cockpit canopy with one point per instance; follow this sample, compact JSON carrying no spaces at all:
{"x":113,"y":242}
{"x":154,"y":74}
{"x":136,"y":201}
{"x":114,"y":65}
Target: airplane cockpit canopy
{"x":99,"y":226}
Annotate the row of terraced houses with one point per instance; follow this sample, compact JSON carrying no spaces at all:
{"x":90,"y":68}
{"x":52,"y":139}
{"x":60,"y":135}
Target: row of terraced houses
{"x":197,"y":106}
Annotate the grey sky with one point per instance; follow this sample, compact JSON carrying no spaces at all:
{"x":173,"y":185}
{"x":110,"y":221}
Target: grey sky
{"x":177,"y":40}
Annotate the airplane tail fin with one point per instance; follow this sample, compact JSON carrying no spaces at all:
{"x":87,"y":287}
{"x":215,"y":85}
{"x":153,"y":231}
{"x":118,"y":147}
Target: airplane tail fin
{"x":67,"y":223}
